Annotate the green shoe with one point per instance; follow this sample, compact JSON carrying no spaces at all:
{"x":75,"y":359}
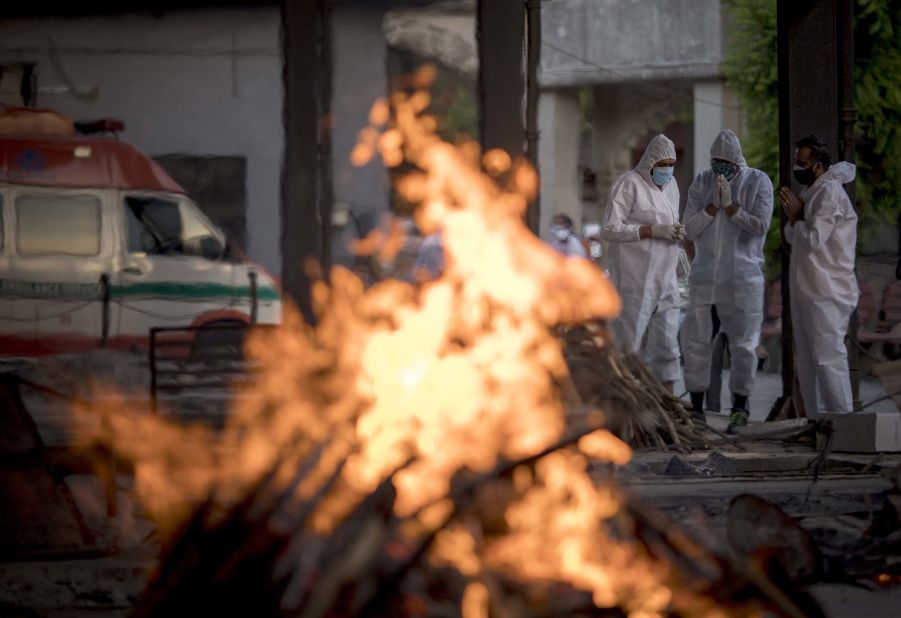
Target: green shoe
{"x":739,"y":418}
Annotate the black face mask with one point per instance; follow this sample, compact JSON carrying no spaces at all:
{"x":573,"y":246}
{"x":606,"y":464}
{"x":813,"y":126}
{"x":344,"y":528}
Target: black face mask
{"x":727,"y":169}
{"x":804,"y":175}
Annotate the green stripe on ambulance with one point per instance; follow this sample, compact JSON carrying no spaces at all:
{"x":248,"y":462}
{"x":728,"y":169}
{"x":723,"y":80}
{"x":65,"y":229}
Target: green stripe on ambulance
{"x":10,"y":288}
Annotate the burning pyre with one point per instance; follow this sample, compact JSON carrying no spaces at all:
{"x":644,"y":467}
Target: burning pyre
{"x":411,"y":454}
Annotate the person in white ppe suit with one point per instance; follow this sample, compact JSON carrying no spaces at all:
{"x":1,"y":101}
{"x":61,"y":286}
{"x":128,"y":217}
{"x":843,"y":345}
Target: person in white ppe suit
{"x":641,"y":225}
{"x":564,"y":239}
{"x":727,"y":216}
{"x":822,"y":231}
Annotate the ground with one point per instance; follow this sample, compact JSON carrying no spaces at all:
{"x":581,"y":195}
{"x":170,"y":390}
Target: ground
{"x":768,"y":388}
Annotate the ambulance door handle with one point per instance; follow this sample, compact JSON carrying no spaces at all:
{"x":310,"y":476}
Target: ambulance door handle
{"x":133,"y":270}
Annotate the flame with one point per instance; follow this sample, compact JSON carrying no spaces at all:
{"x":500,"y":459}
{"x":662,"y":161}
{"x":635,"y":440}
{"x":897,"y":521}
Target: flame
{"x":475,"y":601}
{"x":559,"y":524}
{"x":422,"y":382}
{"x":497,"y":162}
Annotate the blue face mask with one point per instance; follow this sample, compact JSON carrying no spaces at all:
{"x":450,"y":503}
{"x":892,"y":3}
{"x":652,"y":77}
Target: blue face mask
{"x":662,"y":175}
{"x":727,"y":169}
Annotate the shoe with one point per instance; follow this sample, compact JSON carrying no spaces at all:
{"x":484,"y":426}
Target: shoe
{"x":738,"y":418}
{"x":739,"y":402}
{"x":697,"y":408}
{"x":697,"y":401}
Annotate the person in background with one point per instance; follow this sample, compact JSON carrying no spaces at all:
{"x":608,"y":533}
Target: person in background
{"x":641,"y":226}
{"x":727,"y":216}
{"x":429,"y":263}
{"x":822,"y":232}
{"x":564,"y":239}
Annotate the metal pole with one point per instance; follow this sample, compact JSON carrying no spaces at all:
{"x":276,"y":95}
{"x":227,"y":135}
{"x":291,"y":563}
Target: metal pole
{"x":104,"y":316}
{"x":847,"y":117}
{"x":152,"y":362}
{"x":326,"y":186}
{"x":108,"y":470}
{"x":533,"y":41}
{"x":252,"y":275}
{"x":898,"y":263}
{"x":786,"y":154}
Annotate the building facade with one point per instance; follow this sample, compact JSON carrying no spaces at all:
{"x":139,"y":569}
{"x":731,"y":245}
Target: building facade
{"x":201,"y":91}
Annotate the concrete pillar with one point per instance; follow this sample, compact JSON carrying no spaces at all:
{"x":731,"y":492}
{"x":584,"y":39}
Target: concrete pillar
{"x":808,"y":104}
{"x":500,"y":26}
{"x":559,"y":118}
{"x":301,"y":223}
{"x":709,"y":120}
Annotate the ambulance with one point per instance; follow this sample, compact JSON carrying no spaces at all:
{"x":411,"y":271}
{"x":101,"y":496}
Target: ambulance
{"x":98,"y":245}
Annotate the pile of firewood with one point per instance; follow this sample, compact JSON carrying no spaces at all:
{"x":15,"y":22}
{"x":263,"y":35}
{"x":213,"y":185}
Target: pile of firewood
{"x":265,"y":557}
{"x":261,"y":557}
{"x":639,"y":410}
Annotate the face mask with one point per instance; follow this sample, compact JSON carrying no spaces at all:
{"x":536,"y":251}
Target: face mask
{"x":804,"y":175}
{"x":662,"y":175}
{"x":560,"y":233}
{"x":729,"y":170}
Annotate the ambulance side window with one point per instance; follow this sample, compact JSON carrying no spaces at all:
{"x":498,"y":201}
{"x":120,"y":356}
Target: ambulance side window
{"x":58,"y":224}
{"x":153,"y":225}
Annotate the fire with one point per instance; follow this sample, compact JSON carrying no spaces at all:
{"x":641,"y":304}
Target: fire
{"x":421,"y":383}
{"x":464,"y":371}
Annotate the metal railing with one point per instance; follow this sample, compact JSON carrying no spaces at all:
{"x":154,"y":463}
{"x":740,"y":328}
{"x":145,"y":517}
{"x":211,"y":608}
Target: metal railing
{"x":198,"y":358}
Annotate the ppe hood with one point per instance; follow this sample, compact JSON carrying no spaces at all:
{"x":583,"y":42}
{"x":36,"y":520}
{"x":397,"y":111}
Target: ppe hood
{"x":660,"y":147}
{"x":726,"y":146}
{"x":842,"y":171}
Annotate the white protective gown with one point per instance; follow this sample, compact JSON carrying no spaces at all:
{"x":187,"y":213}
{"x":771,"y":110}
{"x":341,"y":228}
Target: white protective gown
{"x":572,"y":246}
{"x":644,"y":270}
{"x":824,"y":291}
{"x":727,"y":270}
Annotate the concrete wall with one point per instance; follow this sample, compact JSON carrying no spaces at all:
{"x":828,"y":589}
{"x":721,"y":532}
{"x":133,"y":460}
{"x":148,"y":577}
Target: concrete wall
{"x":360,"y":77}
{"x":559,"y":116}
{"x":195,"y":82}
{"x":715,"y":109}
{"x":587,"y":42}
{"x":446,"y":33}
{"x":708,"y":119}
{"x":209,"y":83}
{"x":626,"y":115}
